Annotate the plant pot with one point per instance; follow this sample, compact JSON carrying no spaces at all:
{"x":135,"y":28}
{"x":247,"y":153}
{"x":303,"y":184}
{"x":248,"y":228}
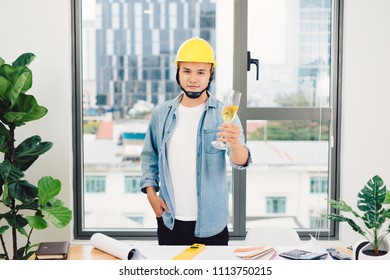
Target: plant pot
{"x":362,"y":249}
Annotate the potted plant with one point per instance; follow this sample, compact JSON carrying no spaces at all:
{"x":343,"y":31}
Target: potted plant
{"x":372,"y":201}
{"x":23,"y":206}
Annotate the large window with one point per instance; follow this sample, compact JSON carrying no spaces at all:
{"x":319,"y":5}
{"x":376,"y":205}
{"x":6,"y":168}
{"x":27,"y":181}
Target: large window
{"x":292,"y":112}
{"x":283,"y":55}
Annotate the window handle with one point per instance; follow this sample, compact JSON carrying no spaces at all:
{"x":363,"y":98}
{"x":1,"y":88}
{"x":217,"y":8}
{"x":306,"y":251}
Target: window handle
{"x":250,"y":61}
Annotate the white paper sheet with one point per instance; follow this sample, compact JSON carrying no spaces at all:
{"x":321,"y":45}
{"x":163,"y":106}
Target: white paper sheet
{"x":115,"y":247}
{"x":313,"y":245}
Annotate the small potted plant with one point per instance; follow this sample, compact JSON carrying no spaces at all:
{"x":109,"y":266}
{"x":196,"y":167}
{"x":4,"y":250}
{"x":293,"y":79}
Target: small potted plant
{"x":25,"y":207}
{"x":370,"y":221}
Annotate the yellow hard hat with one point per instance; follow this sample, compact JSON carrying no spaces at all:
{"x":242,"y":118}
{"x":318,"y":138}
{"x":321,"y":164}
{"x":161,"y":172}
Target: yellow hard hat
{"x":195,"y":50}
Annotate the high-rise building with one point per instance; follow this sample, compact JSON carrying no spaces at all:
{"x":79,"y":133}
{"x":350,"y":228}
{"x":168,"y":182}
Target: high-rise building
{"x":136,"y":43}
{"x":315,"y":21}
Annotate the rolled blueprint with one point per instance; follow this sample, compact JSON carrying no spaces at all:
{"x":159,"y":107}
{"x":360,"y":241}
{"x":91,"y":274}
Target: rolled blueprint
{"x":114,"y":247}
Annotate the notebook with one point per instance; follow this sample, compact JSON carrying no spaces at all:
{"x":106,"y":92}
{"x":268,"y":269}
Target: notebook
{"x":52,"y":250}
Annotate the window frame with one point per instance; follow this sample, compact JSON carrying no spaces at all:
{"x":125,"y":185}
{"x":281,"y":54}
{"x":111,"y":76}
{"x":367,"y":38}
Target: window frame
{"x":239,"y":82}
{"x":272,"y":113}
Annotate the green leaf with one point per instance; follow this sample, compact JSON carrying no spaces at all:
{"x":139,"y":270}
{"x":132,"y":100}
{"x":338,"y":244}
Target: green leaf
{"x":23,"y":83}
{"x":341,"y":205}
{"x":30,"y":206}
{"x":370,"y":200}
{"x":48,"y":188}
{"x":6,"y":197}
{"x":3,"y":229}
{"x":4,"y":87}
{"x":23,"y":191}
{"x":54,"y":202}
{"x":341,"y":218}
{"x":3,"y":145}
{"x":15,"y":221}
{"x":386,"y":214}
{"x":37,"y":222}
{"x":21,"y":255}
{"x":60,"y":216}
{"x":27,"y":256}
{"x":8,"y":76}
{"x":22,"y":231}
{"x":14,"y":79}
{"x":9,"y":172}
{"x":4,"y":132}
{"x":20,"y":79}
{"x":1,"y":186}
{"x":24,"y":59}
{"x":32,"y":246}
{"x":29,"y":151}
{"x":4,"y":102}
{"x":387,"y":199}
{"x":26,"y":109}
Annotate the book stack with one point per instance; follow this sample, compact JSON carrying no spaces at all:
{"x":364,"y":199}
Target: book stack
{"x":256,"y":253}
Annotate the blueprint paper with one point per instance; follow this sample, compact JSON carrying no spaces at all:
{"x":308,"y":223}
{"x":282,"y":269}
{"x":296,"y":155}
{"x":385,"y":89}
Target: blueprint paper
{"x":114,"y":247}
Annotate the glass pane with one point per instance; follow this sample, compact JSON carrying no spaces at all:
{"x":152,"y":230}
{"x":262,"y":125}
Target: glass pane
{"x":292,"y":41}
{"x":288,"y":181}
{"x":128,"y":53}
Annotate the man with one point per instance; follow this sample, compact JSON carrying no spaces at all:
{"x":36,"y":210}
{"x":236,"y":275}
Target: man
{"x":179,"y":162}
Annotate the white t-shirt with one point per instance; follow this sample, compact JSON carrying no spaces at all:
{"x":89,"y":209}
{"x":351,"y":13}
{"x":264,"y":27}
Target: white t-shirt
{"x":182,"y":161}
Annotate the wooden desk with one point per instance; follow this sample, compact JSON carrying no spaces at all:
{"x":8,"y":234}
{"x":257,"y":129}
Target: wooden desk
{"x":88,"y":252}
{"x":85,"y":252}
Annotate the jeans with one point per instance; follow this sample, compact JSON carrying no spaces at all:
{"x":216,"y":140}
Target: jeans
{"x":183,"y":234}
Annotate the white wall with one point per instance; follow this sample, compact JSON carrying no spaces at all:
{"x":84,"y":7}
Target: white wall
{"x":44,"y":27}
{"x":366,"y":99}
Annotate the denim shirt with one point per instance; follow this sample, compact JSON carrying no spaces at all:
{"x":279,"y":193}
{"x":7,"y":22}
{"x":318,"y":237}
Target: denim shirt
{"x":212,"y":192}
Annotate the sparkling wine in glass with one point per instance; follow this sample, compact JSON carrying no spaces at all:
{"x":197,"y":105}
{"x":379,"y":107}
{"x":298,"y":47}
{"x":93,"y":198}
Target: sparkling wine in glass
{"x":229,"y":112}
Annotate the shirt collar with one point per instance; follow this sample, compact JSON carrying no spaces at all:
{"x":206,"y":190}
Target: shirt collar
{"x":211,"y":102}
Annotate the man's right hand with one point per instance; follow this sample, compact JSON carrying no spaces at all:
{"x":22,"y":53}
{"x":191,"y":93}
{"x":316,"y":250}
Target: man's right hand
{"x":157,"y":203}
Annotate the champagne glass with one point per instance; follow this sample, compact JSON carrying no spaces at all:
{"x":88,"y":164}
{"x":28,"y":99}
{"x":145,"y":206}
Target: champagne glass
{"x":229,"y":112}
